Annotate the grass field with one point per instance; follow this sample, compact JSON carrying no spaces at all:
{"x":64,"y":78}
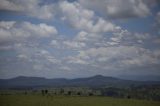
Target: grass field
{"x":38,"y":100}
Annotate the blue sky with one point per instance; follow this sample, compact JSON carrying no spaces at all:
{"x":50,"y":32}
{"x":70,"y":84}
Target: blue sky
{"x":79,"y":38}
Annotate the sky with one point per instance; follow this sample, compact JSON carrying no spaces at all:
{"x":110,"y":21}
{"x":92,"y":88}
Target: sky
{"x":79,"y":38}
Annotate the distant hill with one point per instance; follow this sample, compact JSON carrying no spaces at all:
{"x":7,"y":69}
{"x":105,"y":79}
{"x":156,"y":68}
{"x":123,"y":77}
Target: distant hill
{"x":94,"y":81}
{"x":141,"y":77}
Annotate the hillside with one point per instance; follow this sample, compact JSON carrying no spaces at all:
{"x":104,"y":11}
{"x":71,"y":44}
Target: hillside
{"x":94,"y":81}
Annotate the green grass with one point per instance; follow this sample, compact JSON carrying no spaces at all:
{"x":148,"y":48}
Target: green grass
{"x":38,"y":100}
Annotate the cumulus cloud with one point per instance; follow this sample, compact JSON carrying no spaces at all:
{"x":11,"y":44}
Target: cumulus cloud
{"x":118,"y":8}
{"x":87,"y":37}
{"x":157,"y":23}
{"x":70,"y":44}
{"x":98,"y":43}
{"x":158,"y":17}
{"x":119,"y":37}
{"x":84,"y":19}
{"x":49,"y":57}
{"x":80,"y":10}
{"x":11,"y":30}
{"x":36,"y":56}
{"x":125,"y":37}
{"x":33,"y":8}
{"x":116,"y":57}
{"x":75,"y":60}
{"x":74,"y":44}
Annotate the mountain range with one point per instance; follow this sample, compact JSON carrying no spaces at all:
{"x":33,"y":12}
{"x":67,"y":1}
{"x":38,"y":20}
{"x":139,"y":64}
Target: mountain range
{"x":94,"y":81}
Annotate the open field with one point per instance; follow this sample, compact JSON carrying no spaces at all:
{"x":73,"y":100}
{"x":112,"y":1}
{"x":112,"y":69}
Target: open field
{"x":39,"y":100}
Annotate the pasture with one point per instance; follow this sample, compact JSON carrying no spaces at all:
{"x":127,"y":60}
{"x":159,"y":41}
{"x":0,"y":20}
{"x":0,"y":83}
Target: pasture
{"x":39,"y":100}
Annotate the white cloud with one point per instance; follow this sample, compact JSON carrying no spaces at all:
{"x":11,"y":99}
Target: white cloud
{"x":11,"y":30}
{"x":126,"y":37}
{"x":41,"y":29}
{"x":157,"y":23}
{"x":107,"y":8}
{"x":38,"y":67}
{"x":71,"y":44}
{"x":47,"y":56}
{"x":44,"y":52}
{"x":158,"y":17}
{"x":157,"y":41}
{"x":112,"y":43}
{"x":142,"y":36}
{"x":118,"y":37}
{"x":33,"y":8}
{"x":110,"y":52}
{"x":74,"y":44}
{"x":82,"y":36}
{"x":54,"y":43}
{"x":22,"y":56}
{"x":65,"y":68}
{"x":99,"y":44}
{"x":84,"y":19}
{"x":116,"y":56}
{"x":157,"y":54}
{"x":7,"y":25}
{"x":115,"y":39}
{"x":6,"y":47}
{"x":118,"y":8}
{"x":76,"y":60}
